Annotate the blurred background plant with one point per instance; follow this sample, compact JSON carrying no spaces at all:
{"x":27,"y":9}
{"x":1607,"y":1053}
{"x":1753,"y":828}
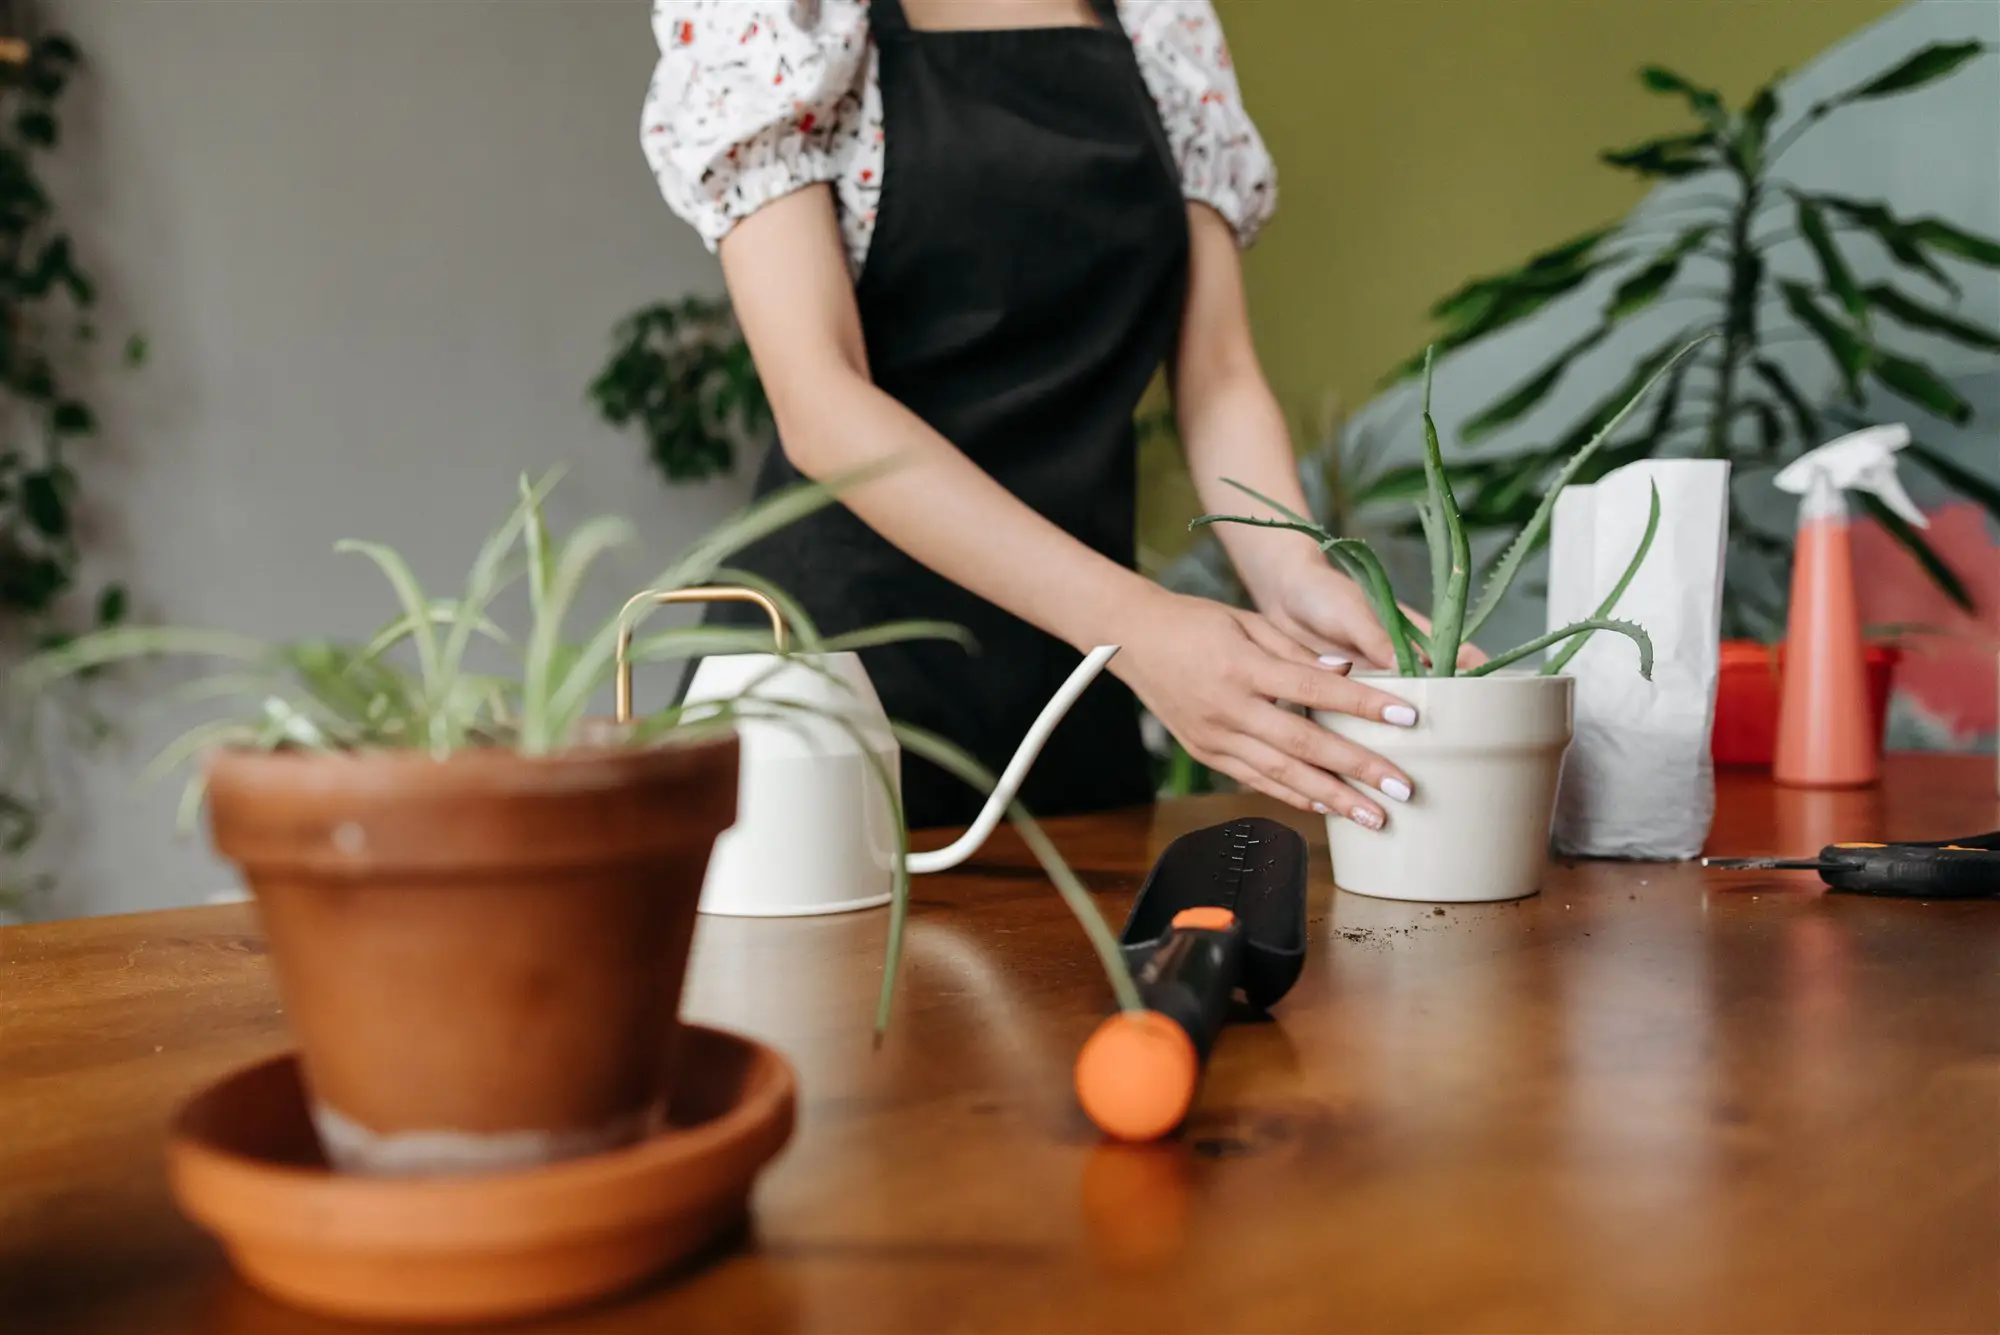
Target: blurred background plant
{"x":682,"y":372}
{"x":1718,"y":250}
{"x":47,"y":338}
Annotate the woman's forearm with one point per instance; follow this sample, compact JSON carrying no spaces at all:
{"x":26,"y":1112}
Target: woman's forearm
{"x":943,"y":510}
{"x":1235,"y":431}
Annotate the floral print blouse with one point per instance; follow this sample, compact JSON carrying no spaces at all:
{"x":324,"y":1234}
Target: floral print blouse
{"x":753,"y":99}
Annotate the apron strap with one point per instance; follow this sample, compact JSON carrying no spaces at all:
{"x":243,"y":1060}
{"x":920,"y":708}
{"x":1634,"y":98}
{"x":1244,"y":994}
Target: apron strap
{"x":885,"y":18}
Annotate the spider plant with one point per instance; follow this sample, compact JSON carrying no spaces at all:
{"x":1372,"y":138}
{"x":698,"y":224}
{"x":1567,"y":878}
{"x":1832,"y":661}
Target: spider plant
{"x":409,"y":685}
{"x":1455,"y":616}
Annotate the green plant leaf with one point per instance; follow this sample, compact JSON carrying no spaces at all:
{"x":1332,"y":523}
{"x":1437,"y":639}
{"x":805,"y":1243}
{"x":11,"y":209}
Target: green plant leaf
{"x":1671,"y":158}
{"x":1630,"y":630}
{"x":1508,"y":567}
{"x":1920,"y":385}
{"x":1571,"y":258}
{"x":1805,"y":421}
{"x":1941,"y":235}
{"x":1310,"y":525}
{"x":1962,"y":480}
{"x":900,"y":632}
{"x":1705,"y":102}
{"x":111,"y":605}
{"x":1754,"y":132}
{"x":1913,"y":541}
{"x":1643,"y":288}
{"x":1849,"y":351}
{"x":1896,"y":236}
{"x":1524,"y":397}
{"x":1839,"y":279}
{"x":1925,"y":66}
{"x":410,"y":594}
{"x":70,"y":418}
{"x":1448,"y":611}
{"x":44,"y":504}
{"x":1438,"y":546}
{"x":1361,"y":563}
{"x":1917,"y":315}
{"x":36,"y":126}
{"x":1610,"y":603}
{"x":544,"y":726}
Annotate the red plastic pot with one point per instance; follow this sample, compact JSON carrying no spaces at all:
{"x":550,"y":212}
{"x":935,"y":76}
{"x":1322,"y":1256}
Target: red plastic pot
{"x":1746,"y":699}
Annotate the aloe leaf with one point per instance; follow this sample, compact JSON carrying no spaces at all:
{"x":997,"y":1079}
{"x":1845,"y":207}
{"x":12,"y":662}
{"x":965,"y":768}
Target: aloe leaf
{"x":1839,"y":278}
{"x":946,"y":756}
{"x":1439,"y":548}
{"x":1361,"y":563}
{"x":1920,"y":385}
{"x":1805,"y":421}
{"x":1448,"y":616}
{"x":1924,"y":66}
{"x":100,"y":648}
{"x":1959,"y":479}
{"x":1610,"y":603}
{"x":1917,"y":315}
{"x":1630,"y":630}
{"x":1914,"y":542}
{"x":408,"y":592}
{"x":1313,"y":531}
{"x":1508,"y":567}
{"x":1849,"y":352}
{"x":1284,"y":510}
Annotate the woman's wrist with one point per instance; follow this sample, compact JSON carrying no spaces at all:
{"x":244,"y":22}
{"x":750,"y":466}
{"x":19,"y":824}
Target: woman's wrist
{"x":1268,"y":561}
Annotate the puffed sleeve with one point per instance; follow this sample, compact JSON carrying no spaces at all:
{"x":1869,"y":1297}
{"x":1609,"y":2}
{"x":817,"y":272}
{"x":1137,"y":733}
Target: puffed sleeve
{"x":1222,"y":159}
{"x":751,"y":100}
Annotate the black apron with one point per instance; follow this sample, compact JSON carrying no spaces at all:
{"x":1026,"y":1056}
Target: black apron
{"x":1025,"y":279}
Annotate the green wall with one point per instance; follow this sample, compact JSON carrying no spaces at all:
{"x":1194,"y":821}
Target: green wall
{"x":1421,"y":142}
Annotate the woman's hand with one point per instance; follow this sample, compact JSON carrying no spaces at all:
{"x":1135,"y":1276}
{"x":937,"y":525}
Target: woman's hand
{"x":1215,"y":676}
{"x":1325,"y":610}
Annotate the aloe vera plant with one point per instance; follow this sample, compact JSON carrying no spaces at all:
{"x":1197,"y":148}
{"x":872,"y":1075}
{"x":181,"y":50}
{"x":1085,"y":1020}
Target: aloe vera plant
{"x":1455,"y":615}
{"x":409,"y":685}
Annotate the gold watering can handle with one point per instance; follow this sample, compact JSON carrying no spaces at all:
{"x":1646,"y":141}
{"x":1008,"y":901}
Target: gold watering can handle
{"x":622,"y":706}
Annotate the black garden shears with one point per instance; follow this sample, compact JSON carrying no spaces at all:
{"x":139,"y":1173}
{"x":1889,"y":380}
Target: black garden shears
{"x":1966,"y":868}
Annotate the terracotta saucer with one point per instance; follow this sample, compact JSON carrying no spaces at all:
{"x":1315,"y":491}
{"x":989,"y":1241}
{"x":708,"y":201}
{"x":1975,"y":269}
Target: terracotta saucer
{"x":245,"y":1166}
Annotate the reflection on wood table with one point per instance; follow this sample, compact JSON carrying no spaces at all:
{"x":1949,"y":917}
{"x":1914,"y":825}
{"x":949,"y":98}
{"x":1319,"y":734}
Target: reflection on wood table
{"x":1651,"y":1097}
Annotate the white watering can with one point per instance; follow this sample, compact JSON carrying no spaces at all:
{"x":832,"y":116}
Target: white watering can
{"x":814,"y":831}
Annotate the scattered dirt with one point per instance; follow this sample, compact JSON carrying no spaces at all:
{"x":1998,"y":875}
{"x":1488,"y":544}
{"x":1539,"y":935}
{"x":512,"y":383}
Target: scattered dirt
{"x":1437,"y":913}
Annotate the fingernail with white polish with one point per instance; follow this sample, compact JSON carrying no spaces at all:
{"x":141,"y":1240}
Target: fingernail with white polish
{"x":1367,"y":818}
{"x":1321,"y":808}
{"x":1334,"y":661}
{"x":1396,"y":788}
{"x":1403,"y":716}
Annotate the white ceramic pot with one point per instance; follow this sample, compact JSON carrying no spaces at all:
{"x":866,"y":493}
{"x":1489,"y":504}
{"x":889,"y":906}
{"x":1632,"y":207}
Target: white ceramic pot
{"x":1484,"y":759}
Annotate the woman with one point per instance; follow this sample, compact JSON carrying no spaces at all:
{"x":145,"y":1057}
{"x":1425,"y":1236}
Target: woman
{"x":965,"y":233}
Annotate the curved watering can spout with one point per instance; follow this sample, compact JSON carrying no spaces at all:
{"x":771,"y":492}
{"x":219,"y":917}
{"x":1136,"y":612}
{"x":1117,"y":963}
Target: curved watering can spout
{"x":944,"y":859}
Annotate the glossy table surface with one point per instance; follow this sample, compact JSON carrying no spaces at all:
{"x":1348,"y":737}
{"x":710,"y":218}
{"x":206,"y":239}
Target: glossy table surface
{"x":1651,"y":1098}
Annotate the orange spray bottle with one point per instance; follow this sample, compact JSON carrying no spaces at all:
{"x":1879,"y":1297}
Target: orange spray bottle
{"x":1825,"y":728}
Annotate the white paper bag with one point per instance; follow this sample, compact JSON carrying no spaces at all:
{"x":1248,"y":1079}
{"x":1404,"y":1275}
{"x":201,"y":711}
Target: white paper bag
{"x":1638,"y":781}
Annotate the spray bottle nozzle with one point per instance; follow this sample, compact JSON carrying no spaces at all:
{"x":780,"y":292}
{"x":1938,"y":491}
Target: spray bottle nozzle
{"x":1863,"y":460}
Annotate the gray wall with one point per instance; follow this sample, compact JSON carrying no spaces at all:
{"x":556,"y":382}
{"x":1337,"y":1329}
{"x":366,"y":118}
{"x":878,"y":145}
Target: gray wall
{"x":377,"y":248}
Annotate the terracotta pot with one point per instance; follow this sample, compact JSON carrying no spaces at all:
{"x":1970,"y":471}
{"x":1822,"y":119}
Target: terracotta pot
{"x":1746,"y":699}
{"x":481,"y":956}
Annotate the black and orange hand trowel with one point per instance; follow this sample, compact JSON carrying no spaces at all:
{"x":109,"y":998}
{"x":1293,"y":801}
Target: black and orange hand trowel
{"x":1222,"y":915}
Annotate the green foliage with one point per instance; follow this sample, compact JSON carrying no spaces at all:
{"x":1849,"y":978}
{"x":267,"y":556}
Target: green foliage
{"x":1452,"y":623}
{"x":45,"y":338}
{"x":1745,"y":407}
{"x":409,"y":685}
{"x":683,"y":373}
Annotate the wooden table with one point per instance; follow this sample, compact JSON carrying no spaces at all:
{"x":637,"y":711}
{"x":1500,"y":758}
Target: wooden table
{"x":1651,"y":1098}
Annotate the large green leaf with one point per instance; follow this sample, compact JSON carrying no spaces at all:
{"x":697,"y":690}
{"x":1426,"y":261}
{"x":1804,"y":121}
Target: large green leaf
{"x":1643,"y":288}
{"x":1849,"y":351}
{"x":1366,"y":569}
{"x":1671,"y":158}
{"x":1805,"y":421}
{"x":1569,"y":257}
{"x":1925,"y":66}
{"x":1839,"y":278}
{"x":1941,"y":235}
{"x":1448,"y":613}
{"x":1629,"y":629}
{"x":1962,"y":480}
{"x":1921,"y":386}
{"x":1897,"y":237}
{"x":1523,"y":398}
{"x":1913,"y":541}
{"x":1917,"y":315}
{"x":1754,"y":131}
{"x":1488,"y":305}
{"x":1705,"y":102}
